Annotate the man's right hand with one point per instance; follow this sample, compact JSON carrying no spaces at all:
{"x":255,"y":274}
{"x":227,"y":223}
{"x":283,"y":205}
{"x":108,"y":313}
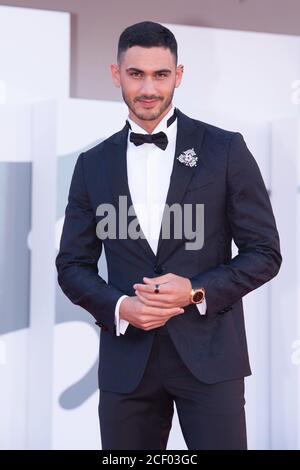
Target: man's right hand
{"x":143,"y":316}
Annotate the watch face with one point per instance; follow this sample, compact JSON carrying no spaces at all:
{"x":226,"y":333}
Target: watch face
{"x":198,"y":296}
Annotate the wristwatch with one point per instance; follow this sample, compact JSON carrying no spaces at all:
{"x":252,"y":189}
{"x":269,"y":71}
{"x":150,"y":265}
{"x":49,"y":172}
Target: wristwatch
{"x":197,"y":295}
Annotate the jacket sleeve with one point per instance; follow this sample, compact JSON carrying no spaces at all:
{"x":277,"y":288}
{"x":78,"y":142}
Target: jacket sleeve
{"x":77,"y":260}
{"x":253,"y":229}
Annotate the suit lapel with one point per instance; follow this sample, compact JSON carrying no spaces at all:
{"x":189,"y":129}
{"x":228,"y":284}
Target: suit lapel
{"x":189,"y":135}
{"x":118,"y":178}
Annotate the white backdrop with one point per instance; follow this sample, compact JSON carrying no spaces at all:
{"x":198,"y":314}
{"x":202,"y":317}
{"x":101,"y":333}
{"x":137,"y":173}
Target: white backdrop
{"x":34,"y":63}
{"x":239,"y":81}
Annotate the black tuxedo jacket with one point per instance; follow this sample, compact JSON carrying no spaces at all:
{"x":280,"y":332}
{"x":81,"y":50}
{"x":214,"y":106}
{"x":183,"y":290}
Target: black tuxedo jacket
{"x":228,"y":182}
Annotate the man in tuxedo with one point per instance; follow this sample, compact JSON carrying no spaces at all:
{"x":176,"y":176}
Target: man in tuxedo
{"x":170,"y":313}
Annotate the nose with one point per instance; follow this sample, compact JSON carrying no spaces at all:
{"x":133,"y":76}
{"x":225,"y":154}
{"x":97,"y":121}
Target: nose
{"x":148,"y":88}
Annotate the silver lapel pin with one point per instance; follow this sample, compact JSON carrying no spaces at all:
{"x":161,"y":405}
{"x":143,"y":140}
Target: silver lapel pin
{"x":188,"y":157}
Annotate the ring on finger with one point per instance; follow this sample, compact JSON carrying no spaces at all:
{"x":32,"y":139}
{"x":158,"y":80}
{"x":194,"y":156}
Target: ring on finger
{"x":156,"y":290}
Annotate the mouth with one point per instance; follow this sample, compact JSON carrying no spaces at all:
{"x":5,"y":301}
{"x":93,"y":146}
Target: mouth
{"x":148,"y":103}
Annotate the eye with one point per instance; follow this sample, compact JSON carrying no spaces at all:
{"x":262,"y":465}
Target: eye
{"x":135,"y":74}
{"x":162,"y":75}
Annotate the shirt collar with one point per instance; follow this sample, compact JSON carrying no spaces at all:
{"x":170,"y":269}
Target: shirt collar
{"x":161,"y":126}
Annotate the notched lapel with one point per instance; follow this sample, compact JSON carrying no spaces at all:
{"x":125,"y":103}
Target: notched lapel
{"x":116,"y":162}
{"x":189,"y":135}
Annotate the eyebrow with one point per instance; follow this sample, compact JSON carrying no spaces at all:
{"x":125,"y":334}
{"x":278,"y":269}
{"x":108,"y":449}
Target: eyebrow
{"x":133,"y":69}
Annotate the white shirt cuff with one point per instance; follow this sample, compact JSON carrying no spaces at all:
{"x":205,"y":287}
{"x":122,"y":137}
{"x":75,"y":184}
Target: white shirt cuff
{"x":202,"y":307}
{"x":121,"y":324}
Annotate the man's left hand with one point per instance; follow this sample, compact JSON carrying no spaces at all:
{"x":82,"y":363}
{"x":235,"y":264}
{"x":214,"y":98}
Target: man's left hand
{"x":174,"y":291}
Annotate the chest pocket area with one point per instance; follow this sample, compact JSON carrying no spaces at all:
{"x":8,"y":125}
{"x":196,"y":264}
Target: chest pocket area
{"x":199,"y":186}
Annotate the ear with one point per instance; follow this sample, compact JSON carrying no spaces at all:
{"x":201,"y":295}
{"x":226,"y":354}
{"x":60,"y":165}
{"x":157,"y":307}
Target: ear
{"x":115,"y":73}
{"x":179,"y":73}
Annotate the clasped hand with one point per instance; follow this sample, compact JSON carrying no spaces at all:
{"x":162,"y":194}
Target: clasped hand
{"x":147,"y":309}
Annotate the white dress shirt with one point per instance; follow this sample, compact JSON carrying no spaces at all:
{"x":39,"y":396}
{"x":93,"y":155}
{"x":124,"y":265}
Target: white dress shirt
{"x":149,"y":170}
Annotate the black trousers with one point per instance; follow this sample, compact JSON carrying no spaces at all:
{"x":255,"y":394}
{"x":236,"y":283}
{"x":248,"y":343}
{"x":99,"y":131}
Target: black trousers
{"x":211,"y":417}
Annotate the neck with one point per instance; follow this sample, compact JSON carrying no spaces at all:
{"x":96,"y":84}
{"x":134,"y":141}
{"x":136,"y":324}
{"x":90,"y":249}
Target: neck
{"x":149,"y":126}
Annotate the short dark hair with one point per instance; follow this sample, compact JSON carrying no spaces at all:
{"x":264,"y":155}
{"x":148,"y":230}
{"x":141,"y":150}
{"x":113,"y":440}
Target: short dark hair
{"x":147,"y":34}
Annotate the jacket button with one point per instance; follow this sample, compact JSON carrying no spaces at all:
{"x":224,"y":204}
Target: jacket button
{"x":158,"y":269}
{"x":103,"y":327}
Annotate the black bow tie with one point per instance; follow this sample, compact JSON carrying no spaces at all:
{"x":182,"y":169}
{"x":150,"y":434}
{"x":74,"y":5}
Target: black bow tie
{"x":160,"y":139}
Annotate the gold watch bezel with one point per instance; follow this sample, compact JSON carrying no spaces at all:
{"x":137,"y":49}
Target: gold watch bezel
{"x":194,"y":291}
